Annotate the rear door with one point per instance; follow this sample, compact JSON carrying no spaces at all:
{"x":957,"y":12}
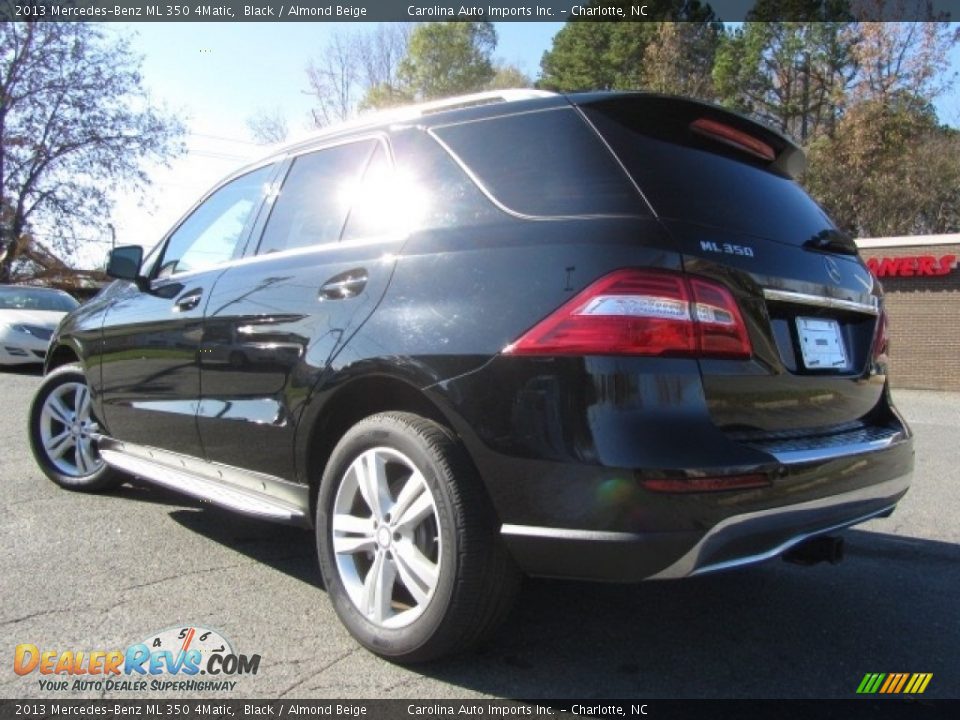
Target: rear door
{"x":719,"y":184}
{"x":275,"y":320}
{"x":151,"y":338}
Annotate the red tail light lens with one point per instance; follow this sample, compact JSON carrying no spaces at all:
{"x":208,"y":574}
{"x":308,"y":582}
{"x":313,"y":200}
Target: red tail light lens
{"x":706,"y":484}
{"x":721,"y":328}
{"x":881,"y":339}
{"x":733,"y":137}
{"x":641,"y":312}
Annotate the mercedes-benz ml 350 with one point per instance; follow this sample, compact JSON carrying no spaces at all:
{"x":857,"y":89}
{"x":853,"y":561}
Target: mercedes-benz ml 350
{"x":600,"y":336}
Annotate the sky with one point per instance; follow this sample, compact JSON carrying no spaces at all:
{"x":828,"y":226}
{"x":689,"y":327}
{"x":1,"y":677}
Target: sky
{"x":214,"y":76}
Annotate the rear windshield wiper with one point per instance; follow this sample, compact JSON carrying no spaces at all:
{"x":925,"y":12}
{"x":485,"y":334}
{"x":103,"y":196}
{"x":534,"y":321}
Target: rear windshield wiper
{"x":832,"y":241}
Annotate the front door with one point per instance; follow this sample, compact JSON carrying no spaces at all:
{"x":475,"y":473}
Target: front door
{"x":275,"y":320}
{"x":149,"y":364}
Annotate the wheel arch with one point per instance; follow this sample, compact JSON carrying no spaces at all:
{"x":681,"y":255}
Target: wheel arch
{"x":338,"y":409}
{"x":62,"y":354}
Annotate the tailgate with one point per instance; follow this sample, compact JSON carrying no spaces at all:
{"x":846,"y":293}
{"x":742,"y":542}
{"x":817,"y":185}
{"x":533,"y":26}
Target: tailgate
{"x":721,"y":184}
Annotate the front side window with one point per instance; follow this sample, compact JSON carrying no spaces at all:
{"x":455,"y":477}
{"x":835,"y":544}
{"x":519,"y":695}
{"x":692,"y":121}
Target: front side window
{"x":316,"y":197}
{"x":214,"y":232}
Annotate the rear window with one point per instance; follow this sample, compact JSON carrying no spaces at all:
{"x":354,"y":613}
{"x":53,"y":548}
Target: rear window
{"x":686,"y":177}
{"x":544,"y":163}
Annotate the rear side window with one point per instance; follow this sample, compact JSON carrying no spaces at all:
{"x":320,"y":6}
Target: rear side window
{"x":544,"y":163}
{"x":689,"y":178}
{"x":315,"y":197}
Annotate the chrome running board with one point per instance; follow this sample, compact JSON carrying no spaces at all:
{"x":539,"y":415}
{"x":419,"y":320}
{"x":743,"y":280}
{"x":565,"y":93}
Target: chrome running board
{"x":256,"y":494}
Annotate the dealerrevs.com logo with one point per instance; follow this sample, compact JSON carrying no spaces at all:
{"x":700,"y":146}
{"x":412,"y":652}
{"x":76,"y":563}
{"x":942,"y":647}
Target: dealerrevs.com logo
{"x":172,"y":659}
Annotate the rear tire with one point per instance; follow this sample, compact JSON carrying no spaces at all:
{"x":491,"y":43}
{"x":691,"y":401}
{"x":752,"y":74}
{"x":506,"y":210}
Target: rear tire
{"x":409,"y":545}
{"x":61,"y":423}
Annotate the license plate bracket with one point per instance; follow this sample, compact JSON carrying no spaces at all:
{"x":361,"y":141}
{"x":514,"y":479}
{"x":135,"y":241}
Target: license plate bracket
{"x":821,"y":344}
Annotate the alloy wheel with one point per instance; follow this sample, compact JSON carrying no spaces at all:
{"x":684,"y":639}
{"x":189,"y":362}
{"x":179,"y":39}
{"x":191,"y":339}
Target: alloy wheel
{"x":67,"y":427}
{"x":386,"y":537}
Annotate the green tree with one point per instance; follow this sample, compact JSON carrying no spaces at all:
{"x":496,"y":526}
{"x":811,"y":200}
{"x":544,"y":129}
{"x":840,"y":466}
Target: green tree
{"x":889,"y":169}
{"x":679,"y":59}
{"x":589,"y":55}
{"x":793,"y":75}
{"x":75,"y":126}
{"x":384,"y":95}
{"x":508,"y":76}
{"x":448,"y":58}
{"x":595,"y":56}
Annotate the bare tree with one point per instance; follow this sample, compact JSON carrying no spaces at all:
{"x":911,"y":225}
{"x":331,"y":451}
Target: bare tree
{"x":268,"y":126}
{"x":350,"y":65}
{"x":904,"y":57}
{"x":382,"y":51}
{"x":75,"y":126}
{"x":333,"y":79}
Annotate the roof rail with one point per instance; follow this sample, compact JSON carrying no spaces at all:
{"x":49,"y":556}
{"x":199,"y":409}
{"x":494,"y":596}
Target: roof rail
{"x":456,"y":102}
{"x":411,"y":112}
{"x":481,"y":98}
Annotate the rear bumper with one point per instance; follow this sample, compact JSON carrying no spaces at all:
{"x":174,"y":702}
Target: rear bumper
{"x":741,"y":538}
{"x":754,"y":537}
{"x":567,"y":449}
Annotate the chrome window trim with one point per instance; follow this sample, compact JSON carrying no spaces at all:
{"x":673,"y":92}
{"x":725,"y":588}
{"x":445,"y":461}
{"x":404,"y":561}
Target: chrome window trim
{"x":289,"y":160}
{"x":822,"y":301}
{"x":161,"y":247}
{"x":283,"y":162}
{"x":487,"y":193}
{"x":306,"y":250}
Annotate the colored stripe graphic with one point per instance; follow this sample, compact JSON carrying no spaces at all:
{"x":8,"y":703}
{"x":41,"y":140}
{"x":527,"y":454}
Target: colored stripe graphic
{"x":894,"y":683}
{"x":903,"y":679}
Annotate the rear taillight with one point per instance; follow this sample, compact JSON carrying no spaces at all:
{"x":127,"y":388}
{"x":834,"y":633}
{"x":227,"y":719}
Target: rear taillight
{"x":738,"y":139}
{"x":881,"y":339}
{"x":706,"y":484}
{"x":642,"y":312}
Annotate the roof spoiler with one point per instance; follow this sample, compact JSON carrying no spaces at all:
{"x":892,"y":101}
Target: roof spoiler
{"x":707,"y":119}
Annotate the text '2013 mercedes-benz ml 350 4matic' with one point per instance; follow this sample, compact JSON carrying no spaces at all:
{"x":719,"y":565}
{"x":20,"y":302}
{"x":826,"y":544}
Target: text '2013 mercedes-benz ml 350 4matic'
{"x":601,"y":336}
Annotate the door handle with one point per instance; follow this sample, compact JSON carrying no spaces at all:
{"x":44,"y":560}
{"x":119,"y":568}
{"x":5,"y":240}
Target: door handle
{"x":345,"y":285}
{"x":188,"y":301}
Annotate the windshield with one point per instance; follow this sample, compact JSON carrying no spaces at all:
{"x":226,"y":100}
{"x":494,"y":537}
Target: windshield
{"x":22,"y":298}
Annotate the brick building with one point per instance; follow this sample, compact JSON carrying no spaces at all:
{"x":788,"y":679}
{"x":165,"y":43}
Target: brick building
{"x":922,"y":284}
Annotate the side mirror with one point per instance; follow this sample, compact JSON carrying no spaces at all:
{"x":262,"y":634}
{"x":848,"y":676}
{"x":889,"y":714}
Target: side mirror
{"x":124,"y":262}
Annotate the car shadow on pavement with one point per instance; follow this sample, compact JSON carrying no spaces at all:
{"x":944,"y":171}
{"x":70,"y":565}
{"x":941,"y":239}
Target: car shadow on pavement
{"x":283,"y":547}
{"x":34,"y":370}
{"x":773,"y":630}
{"x":141,"y":491}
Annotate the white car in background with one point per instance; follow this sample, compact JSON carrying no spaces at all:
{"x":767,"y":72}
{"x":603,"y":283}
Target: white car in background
{"x":28,"y":317}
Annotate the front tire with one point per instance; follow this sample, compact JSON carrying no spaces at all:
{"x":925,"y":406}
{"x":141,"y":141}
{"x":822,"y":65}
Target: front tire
{"x":61,"y":429}
{"x":409,"y":547}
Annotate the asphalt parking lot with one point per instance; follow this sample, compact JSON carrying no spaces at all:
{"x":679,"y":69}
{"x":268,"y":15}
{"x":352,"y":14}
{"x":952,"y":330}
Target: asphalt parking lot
{"x":87,"y":572}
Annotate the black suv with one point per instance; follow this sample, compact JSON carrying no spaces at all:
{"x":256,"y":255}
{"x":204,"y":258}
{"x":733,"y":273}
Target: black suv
{"x":601,"y":336}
